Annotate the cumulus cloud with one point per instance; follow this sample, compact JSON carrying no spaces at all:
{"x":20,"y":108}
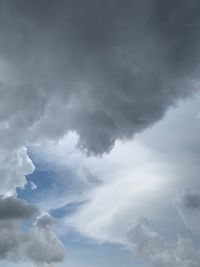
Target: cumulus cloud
{"x":11,"y":240}
{"x":40,"y":244}
{"x":44,"y":246}
{"x":148,"y":244}
{"x":14,"y":165}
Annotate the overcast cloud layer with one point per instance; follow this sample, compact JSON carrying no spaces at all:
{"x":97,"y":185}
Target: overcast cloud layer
{"x":104,"y":69}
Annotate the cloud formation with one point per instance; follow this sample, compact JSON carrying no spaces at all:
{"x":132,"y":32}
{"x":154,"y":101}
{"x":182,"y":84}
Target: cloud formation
{"x":44,"y":246}
{"x":14,"y":165}
{"x":13,"y":208}
{"x":103,"y":69}
{"x":150,"y":245}
{"x":39,"y":244}
{"x":189,"y":209}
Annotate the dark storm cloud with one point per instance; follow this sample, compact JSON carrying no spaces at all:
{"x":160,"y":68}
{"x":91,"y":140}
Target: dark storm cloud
{"x":105,"y":69}
{"x":13,"y":208}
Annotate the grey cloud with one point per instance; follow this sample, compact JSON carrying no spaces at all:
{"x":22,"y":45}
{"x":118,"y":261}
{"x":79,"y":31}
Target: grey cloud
{"x":14,"y":165}
{"x":45,"y":220}
{"x":191,"y":201}
{"x":189,"y":210}
{"x":11,"y":240}
{"x":148,"y":244}
{"x":107,"y":69}
{"x":44,"y":245}
{"x":14,"y":208}
{"x":40,"y":244}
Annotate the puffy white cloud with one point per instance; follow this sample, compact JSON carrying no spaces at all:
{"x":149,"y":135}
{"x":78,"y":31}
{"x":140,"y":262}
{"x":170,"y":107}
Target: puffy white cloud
{"x":14,"y":165}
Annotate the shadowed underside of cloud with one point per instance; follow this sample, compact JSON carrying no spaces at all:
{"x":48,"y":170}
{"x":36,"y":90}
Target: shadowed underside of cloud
{"x":14,"y":208}
{"x":103,"y":69}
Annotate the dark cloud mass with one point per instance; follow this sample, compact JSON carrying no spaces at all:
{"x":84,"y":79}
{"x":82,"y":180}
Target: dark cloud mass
{"x":14,"y":208}
{"x":105,"y":69}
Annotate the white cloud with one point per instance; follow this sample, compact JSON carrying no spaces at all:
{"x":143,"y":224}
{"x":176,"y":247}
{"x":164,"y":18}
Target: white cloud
{"x":14,"y":165}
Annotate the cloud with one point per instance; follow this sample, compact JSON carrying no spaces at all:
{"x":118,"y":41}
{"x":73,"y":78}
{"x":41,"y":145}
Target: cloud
{"x":44,"y":246}
{"x":191,"y":201}
{"x":11,"y":240}
{"x":147,"y":176}
{"x":189,"y":209}
{"x":13,"y":208}
{"x":39,"y":244}
{"x":14,"y":165}
{"x":104,"y":70}
{"x":158,"y":252}
{"x":13,"y":212}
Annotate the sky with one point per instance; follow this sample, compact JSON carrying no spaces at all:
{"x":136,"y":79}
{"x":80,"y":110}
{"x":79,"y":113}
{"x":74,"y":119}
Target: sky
{"x":99,"y":133}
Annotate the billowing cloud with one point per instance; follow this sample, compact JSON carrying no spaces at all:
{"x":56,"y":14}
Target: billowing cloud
{"x":39,"y":245}
{"x":44,"y":246}
{"x":103,"y":69}
{"x":155,"y":175}
{"x":14,"y":165}
{"x":148,"y":244}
